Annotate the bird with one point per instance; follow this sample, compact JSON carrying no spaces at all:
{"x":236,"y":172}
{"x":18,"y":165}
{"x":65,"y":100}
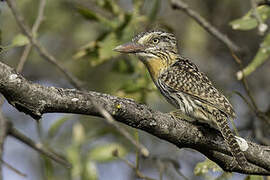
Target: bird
{"x":184,"y":86}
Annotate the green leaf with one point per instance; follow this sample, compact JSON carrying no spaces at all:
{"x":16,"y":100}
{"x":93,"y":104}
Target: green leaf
{"x":19,"y":40}
{"x":106,"y":46}
{"x":205,"y":166}
{"x":93,"y":16}
{"x":123,"y":66}
{"x":154,"y":11}
{"x":248,"y":21}
{"x":78,"y":134}
{"x":88,"y":49}
{"x":254,"y":177}
{"x":109,"y":5}
{"x":132,"y":87}
{"x":261,"y":56}
{"x":104,"y":153}
{"x":56,"y":125}
{"x":87,"y":13}
{"x":91,"y":172}
{"x":74,"y":157}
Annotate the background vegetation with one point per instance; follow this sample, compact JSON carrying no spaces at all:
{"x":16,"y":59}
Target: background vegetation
{"x":81,"y":35}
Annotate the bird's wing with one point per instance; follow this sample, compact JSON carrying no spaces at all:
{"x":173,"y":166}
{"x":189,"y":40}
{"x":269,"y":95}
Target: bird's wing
{"x":183,"y":76}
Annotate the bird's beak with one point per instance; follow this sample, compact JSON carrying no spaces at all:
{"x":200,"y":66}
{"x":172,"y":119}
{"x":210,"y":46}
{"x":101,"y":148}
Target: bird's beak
{"x":129,"y":47}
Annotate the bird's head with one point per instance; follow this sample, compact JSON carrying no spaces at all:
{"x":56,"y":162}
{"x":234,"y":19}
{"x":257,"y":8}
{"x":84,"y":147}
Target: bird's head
{"x":151,"y":45}
{"x":156,"y":49}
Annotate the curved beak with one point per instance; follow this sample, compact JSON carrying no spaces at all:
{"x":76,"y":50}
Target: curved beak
{"x":129,"y":47}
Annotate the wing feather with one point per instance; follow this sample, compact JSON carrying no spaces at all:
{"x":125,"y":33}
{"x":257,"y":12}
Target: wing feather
{"x":183,"y":76}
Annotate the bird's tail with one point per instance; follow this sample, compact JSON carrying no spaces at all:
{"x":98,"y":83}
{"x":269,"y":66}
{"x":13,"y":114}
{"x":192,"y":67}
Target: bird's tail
{"x":221,"y":120}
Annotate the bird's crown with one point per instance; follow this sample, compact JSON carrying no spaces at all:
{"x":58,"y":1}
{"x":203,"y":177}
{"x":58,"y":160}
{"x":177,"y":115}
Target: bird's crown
{"x":157,"y":38}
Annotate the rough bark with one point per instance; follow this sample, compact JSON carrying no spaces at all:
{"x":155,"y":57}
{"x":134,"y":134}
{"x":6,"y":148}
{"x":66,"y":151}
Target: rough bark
{"x":35,"y":100}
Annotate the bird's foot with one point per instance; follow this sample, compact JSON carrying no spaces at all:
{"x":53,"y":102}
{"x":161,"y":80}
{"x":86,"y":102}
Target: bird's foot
{"x":177,"y":114}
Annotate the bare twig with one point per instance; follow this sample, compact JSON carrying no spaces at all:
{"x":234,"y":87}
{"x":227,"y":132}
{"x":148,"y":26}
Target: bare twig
{"x":139,"y":174}
{"x":262,"y":27}
{"x":254,"y":106}
{"x":35,"y":27}
{"x":108,"y":117}
{"x":179,"y":4}
{"x":245,"y":100}
{"x":173,"y":162}
{"x":42,"y":51}
{"x":38,"y":147}
{"x":24,"y":57}
{"x":13,"y":168}
{"x":179,"y":132}
{"x":259,"y":136}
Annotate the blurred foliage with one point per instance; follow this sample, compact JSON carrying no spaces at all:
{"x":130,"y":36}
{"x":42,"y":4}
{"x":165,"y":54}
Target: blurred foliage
{"x":115,"y":31}
{"x":205,"y":166}
{"x":248,"y":22}
{"x":85,"y":166}
{"x":254,"y":177}
{"x":112,"y":24}
{"x":261,"y":56}
{"x":19,"y":40}
{"x":104,"y":153}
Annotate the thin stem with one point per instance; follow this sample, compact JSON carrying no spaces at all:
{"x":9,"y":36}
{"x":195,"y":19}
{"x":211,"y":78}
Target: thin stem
{"x":38,"y":147}
{"x":181,"y":5}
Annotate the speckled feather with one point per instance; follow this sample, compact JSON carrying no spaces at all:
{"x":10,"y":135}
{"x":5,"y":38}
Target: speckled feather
{"x":184,"y":86}
{"x":183,"y":76}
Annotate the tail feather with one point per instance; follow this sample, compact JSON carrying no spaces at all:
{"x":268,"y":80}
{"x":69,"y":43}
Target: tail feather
{"x":221,"y":120}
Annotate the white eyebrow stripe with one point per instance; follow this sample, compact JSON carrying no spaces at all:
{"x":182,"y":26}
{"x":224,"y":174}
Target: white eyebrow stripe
{"x":144,"y":38}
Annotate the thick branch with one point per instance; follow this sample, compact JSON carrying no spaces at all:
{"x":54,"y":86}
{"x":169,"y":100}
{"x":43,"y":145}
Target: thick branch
{"x":35,"y":100}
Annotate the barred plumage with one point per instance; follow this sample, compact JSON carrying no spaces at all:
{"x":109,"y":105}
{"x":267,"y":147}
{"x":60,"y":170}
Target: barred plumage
{"x":183,"y":85}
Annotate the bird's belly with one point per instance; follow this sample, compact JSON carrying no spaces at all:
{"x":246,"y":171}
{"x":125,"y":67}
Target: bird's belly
{"x":195,"y":109}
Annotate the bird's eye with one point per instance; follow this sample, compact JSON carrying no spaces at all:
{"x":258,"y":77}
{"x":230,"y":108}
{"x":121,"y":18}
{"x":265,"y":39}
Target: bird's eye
{"x":155,"y":40}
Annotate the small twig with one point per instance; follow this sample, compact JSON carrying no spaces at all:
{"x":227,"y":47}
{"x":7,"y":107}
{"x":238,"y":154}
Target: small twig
{"x":259,"y":136}
{"x":262,"y":27}
{"x":42,"y":51}
{"x":245,"y":100}
{"x":139,"y":174}
{"x":108,"y":117}
{"x":179,"y":172}
{"x":13,"y":168}
{"x":38,"y":147}
{"x":40,"y":16}
{"x":173,"y":162}
{"x":255,"y":108}
{"x":23,"y":58}
{"x":179,"y":4}
{"x":179,"y":132}
{"x":244,"y":81}
{"x":45,"y":54}
{"x":35,"y":27}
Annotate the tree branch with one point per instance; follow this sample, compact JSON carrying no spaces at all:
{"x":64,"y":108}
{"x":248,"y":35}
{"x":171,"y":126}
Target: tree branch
{"x":35,"y":27}
{"x":42,"y":51}
{"x":38,"y":147}
{"x":181,"y":5}
{"x":35,"y":100}
{"x":72,"y":79}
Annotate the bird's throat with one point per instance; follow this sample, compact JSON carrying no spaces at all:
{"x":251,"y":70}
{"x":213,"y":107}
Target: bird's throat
{"x":155,"y":67}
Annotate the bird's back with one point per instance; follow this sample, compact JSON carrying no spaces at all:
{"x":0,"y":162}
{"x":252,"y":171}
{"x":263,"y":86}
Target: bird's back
{"x":185,"y":80}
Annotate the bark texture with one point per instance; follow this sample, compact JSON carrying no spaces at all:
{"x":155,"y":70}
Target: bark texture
{"x":35,"y":100}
